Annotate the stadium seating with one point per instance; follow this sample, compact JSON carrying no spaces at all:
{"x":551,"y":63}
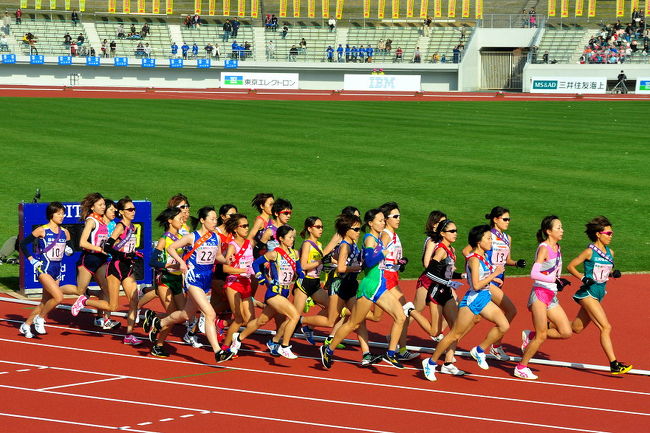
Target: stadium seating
{"x":405,"y":37}
{"x":563,"y":45}
{"x":158,"y":39}
{"x":442,"y":40}
{"x":49,"y":36}
{"x":317,"y":38}
{"x":213,"y":34}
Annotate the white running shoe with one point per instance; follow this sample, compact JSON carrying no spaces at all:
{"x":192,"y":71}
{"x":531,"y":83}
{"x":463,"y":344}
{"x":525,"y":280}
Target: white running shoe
{"x":407,"y":308}
{"x":110,"y":324}
{"x":137,"y":316}
{"x":524,"y":373}
{"x":236,"y":344}
{"x":286,"y":352}
{"x":480,"y":358}
{"x":39,"y":325}
{"x":525,"y":339}
{"x":202,"y":324}
{"x":499,"y":353}
{"x":26,"y":330}
{"x":192,"y":340}
{"x":438,"y":338}
{"x":429,"y":370}
{"x":451,"y":369}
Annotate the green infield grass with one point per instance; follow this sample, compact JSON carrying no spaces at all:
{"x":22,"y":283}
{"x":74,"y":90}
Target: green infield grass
{"x":574,"y":159}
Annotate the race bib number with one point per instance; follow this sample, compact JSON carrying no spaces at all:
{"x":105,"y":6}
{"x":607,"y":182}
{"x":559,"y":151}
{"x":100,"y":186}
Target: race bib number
{"x":285,"y":273}
{"x":55,"y":254}
{"x":499,"y":255}
{"x":205,"y":254}
{"x":601,"y":272}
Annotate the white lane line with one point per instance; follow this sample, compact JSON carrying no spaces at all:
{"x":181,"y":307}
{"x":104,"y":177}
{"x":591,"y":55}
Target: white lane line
{"x":145,"y":423}
{"x":166,"y":419}
{"x":81,"y":383}
{"x":108,"y":427}
{"x":23,"y":369}
{"x":187,"y":416}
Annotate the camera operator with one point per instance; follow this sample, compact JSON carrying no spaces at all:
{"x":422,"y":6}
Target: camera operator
{"x":621,"y":82}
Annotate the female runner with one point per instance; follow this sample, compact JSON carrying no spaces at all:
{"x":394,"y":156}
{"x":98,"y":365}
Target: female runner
{"x":239,"y":267}
{"x":543,"y":302}
{"x":598,"y":261}
{"x":181,"y":202}
{"x":443,"y":268}
{"x":53,"y":241}
{"x":475,"y":302}
{"x":103,"y":318}
{"x":121,"y":246}
{"x":372,"y":290}
{"x":263,"y":202}
{"x":284,"y":269}
{"x":197,"y":265}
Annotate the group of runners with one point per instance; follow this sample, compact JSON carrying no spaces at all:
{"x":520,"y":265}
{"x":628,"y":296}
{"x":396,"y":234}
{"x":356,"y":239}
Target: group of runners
{"x":217,"y":267}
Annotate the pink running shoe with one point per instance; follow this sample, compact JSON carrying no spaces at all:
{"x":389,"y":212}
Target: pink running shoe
{"x":78,"y":305}
{"x":524,"y":372}
{"x":131,"y":340}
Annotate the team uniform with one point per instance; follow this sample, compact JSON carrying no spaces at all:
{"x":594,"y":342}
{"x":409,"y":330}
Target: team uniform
{"x":597,"y":267}
{"x":121,"y":267}
{"x":346,"y":285}
{"x":424,"y":280}
{"x":165,"y":277}
{"x":543,"y":291}
{"x":201,"y":263}
{"x":92,"y":260}
{"x":49,"y":250}
{"x":373,"y":284}
{"x":260,"y":247}
{"x":311,"y":283}
{"x":281,"y":273}
{"x":438,"y":292}
{"x":390,"y":265}
{"x":498,"y":255}
{"x":477,"y":299}
{"x":243,"y":259}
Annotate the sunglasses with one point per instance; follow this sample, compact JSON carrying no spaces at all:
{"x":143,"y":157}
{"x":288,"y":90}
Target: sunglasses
{"x":356,"y":229}
{"x":318,"y":227}
{"x":506,"y":219}
{"x":396,"y":216}
{"x":286,"y":212}
{"x":183,"y":206}
{"x":243,"y":226}
{"x":130,"y":209}
{"x":606,"y":233}
{"x":450,"y":231}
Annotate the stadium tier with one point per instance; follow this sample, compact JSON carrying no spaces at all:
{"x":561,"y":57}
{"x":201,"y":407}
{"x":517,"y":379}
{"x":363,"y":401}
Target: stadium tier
{"x":49,"y":37}
{"x":213,"y":34}
{"x":562,"y":45}
{"x":158,"y":38}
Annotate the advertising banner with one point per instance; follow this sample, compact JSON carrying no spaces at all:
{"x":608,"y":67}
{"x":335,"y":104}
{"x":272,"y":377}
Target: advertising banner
{"x":394,"y":83}
{"x":643,"y":86}
{"x":250,"y":80}
{"x":569,"y":85}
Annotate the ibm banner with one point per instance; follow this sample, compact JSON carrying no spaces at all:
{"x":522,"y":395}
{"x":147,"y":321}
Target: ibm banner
{"x":394,"y":83}
{"x":32,"y":215}
{"x":568,"y":85}
{"x":250,"y":80}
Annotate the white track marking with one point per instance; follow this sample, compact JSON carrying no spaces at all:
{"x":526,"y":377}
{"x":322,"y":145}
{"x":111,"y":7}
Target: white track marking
{"x":81,"y":383}
{"x":30,"y":417}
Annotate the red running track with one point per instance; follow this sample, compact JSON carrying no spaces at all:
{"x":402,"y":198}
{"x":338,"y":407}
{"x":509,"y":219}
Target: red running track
{"x":77,"y":379}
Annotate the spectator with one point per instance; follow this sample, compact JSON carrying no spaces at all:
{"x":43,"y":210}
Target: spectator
{"x":267,"y":22}
{"x":196,"y":21}
{"x":270,"y":50}
{"x":30,"y":40}
{"x":174,"y":49}
{"x":147,"y":50}
{"x":81,"y":39}
{"x":187,"y":22}
{"x":545,"y":57}
{"x":347,"y":53}
{"x":293,"y":52}
{"x":329,"y":52}
{"x":208,"y":50}
{"x":120,"y":31}
{"x":533,"y":18}
{"x":113,"y":48}
{"x":339,"y":53}
{"x":274,"y":23}
{"x":456,"y":54}
{"x":302,"y":46}
{"x":285,"y":30}
{"x":217,"y":51}
{"x":399,"y":55}
{"x":6,"y":24}
{"x":389,"y":45}
{"x":361,"y":53}
{"x":354,"y":53}
{"x":195,"y":50}
{"x":227,"y":29}
{"x":235,"y":27}
{"x":67,"y":39}
{"x":369,"y":53}
{"x":184,"y":49}
{"x":417,"y":57}
{"x":4,"y":43}
{"x":104,"y":48}
{"x":636,"y":16}
{"x":426,"y":27}
{"x":435,"y":58}
{"x":74,"y":16}
{"x":73,"y":49}
{"x":132,"y":32}
{"x":92,"y":52}
{"x":139,"y":50}
{"x":146,"y":31}
{"x":525,"y":20}
{"x":247,"y":49}
{"x":332,"y":24}
{"x":19,"y":16}
{"x":381,"y":46}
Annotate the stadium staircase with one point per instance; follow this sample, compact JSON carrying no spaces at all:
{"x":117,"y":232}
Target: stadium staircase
{"x":341,"y":36}
{"x":562,"y":44}
{"x":175,"y":34}
{"x":259,"y":36}
{"x":423,"y":43}
{"x":92,"y":36}
{"x":14,"y":47}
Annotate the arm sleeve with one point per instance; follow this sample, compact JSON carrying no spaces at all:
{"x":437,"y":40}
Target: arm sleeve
{"x":69,"y":243}
{"x":372,"y":258}
{"x":299,"y":272}
{"x":157,"y":260}
{"x":109,"y":248}
{"x":258,"y":265}
{"x":27,"y":245}
{"x":436,"y":272}
{"x":536,"y":274}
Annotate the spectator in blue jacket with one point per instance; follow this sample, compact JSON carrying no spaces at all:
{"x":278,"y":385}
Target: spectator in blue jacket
{"x":339,"y":53}
{"x":195,"y":50}
{"x":185,"y":48}
{"x":347,"y":53}
{"x":174,"y":49}
{"x":330,"y":53}
{"x":353,"y":53}
{"x":369,"y":53}
{"x":362,"y":54}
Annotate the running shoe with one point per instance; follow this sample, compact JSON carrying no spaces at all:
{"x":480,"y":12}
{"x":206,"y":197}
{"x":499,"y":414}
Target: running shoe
{"x":429,"y":370}
{"x":308,"y":304}
{"x":616,"y":368}
{"x":328,"y":340}
{"x":26,"y":330}
{"x":39,"y":325}
{"x":525,"y":339}
{"x":407,"y":356}
{"x":407,"y":308}
{"x":479,"y":357}
{"x":137,"y":315}
{"x":99,"y":322}
{"x":438,"y":338}
{"x":202,"y":324}
{"x":223,"y":355}
{"x":192,"y":339}
{"x":131,"y":340}
{"x":499,"y":353}
{"x":286,"y":352}
{"x":325,"y":358}
{"x":154,"y":329}
{"x":524,"y":373}
{"x":111,"y":324}
{"x":159,"y":351}
{"x":370,"y":359}
{"x":451,"y":369}
{"x":309,"y":334}
{"x":273,"y":347}
{"x":148,"y":320}
{"x":236,"y":344}
{"x":78,"y":305}
{"x":392,"y":360}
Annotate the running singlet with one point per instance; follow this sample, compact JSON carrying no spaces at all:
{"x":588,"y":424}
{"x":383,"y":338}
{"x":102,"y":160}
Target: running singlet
{"x":449,"y":262}
{"x":169,"y":260}
{"x":354,"y":259}
{"x":500,"y":248}
{"x":202,"y":259}
{"x":51,"y":246}
{"x":484,"y":269}
{"x":245,"y":260}
{"x":599,"y":265}
{"x":126,"y":241}
{"x":315,"y":254}
{"x":272,"y":243}
{"x":424,"y":247}
{"x":393,"y":252}
{"x":282,"y":273}
{"x":99,"y":234}
{"x":552,"y":266}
